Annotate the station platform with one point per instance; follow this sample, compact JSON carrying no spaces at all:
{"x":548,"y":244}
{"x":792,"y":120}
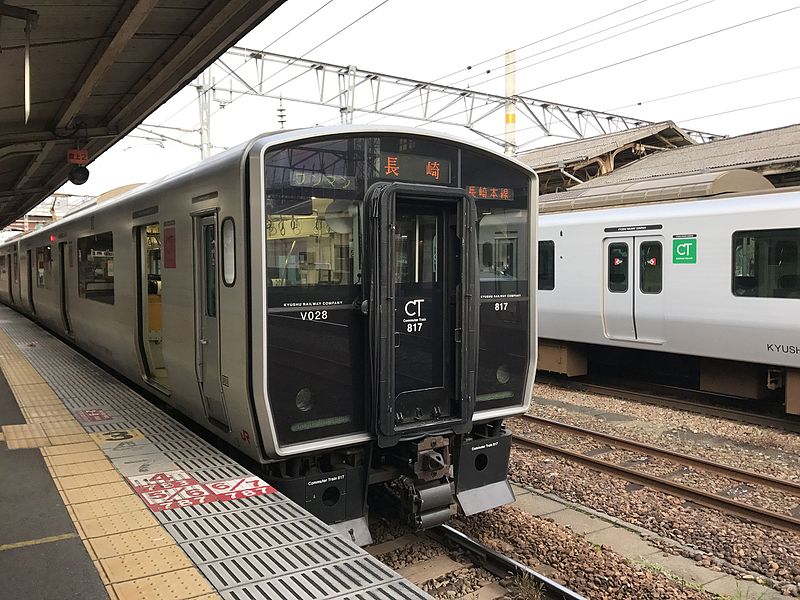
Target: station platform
{"x":103,"y":495}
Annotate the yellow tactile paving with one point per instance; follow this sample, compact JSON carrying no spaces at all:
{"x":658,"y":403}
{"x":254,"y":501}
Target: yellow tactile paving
{"x":56,"y":440}
{"x":101,"y":508}
{"x":130,"y":541}
{"x":101,"y":572}
{"x":145,"y":563}
{"x":134,"y":555}
{"x":77,"y":457}
{"x":111,"y":525}
{"x":37,"y":394}
{"x":93,"y":466}
{"x":31,"y":435}
{"x":69,"y":448}
{"x":97,"y":492}
{"x":176,"y":585}
{"x":48,"y":410}
{"x":89,"y":479}
{"x":21,"y":375}
{"x":63,"y":428}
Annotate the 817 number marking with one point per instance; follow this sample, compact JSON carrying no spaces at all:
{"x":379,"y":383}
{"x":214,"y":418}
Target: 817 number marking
{"x":498,"y":306}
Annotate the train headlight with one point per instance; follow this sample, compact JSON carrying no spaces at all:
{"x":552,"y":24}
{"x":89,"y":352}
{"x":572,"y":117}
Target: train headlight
{"x":503,"y":374}
{"x":303,"y":400}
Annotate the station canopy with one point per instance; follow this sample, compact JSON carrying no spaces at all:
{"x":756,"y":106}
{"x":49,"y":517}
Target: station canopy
{"x":95,"y":71}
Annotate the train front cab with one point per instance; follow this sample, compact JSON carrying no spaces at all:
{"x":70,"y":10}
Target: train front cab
{"x":399,"y":329}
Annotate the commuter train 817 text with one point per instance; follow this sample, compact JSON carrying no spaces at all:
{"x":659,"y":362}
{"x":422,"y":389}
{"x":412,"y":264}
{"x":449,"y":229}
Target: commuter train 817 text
{"x":346,"y":306}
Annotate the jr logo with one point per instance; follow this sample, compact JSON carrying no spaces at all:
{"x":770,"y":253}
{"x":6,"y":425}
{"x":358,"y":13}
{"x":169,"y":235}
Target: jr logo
{"x":684,"y":250}
{"x":414,"y":307}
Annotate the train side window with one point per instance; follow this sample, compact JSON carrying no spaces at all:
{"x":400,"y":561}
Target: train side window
{"x":765,"y":263}
{"x":618,"y":267}
{"x":547,"y":265}
{"x":44,"y":263}
{"x":228,"y":252}
{"x":650,"y":269}
{"x":96,"y":267}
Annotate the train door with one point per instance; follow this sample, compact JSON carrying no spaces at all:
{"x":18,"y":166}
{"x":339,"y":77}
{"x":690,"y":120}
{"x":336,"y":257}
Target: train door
{"x":207,"y":318}
{"x":31,"y":272}
{"x":151,"y":338}
{"x":648,"y":300}
{"x":423,"y":311}
{"x":633,"y":305}
{"x":63,"y":291}
{"x":10,"y":271}
{"x":618,"y":289}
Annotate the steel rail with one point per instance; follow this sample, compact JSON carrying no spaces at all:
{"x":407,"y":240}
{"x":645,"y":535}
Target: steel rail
{"x":707,"y":499}
{"x":698,"y":407}
{"x":728,"y":471}
{"x":499,"y":564}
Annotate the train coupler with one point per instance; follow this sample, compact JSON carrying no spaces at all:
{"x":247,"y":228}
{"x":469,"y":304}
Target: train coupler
{"x":429,"y":494}
{"x":429,"y":504}
{"x":482,"y":473}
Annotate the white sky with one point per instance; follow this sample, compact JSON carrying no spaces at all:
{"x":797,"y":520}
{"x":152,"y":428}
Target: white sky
{"x":425,"y":39}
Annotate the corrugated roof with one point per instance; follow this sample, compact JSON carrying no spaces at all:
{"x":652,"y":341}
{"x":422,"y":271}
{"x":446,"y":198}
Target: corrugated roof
{"x":656,"y":189}
{"x":579,"y":150}
{"x":770,"y":147}
{"x":97,"y":70}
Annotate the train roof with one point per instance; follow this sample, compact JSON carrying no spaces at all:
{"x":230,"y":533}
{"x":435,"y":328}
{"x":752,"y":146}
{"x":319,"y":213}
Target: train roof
{"x":658,"y":189}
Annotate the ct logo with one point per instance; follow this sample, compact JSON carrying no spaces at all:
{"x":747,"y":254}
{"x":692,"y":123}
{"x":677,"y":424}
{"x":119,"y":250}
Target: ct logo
{"x":683,"y":249}
{"x":414,"y":307}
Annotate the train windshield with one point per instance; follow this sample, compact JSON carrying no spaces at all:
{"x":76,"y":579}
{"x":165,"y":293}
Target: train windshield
{"x":318,"y":265}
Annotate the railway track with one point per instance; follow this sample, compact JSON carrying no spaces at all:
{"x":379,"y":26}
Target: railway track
{"x":700,"y":402}
{"x":510,"y":574}
{"x":609,"y":444}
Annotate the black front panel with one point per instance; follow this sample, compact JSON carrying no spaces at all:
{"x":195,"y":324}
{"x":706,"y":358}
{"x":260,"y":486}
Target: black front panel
{"x":318,"y":345}
{"x":315,"y":336}
{"x":502,"y":197}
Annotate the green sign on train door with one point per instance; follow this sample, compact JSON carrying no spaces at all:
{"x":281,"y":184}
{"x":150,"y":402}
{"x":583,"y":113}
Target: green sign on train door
{"x":684,"y":250}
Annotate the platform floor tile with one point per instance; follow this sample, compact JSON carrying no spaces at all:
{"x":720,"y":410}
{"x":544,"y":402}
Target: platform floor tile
{"x":76,"y":457}
{"x":92,"y":466}
{"x":90,"y":479}
{"x":145,"y":564}
{"x":106,"y":508}
{"x":130,"y":542}
{"x":31,"y":435}
{"x":175,"y":585}
{"x":114,"y":524}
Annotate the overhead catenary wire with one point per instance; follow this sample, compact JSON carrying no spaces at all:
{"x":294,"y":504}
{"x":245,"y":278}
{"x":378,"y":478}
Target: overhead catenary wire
{"x":528,"y":45}
{"x":740,"y":109}
{"x":517,"y":69}
{"x":590,"y":35}
{"x":705,"y":88}
{"x":663,"y":49}
{"x":544,"y":39}
{"x":651,"y":52}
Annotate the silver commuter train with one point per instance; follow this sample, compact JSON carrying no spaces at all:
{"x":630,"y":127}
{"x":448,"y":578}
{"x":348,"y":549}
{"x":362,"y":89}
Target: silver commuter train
{"x":705,"y":267}
{"x":321,"y":300}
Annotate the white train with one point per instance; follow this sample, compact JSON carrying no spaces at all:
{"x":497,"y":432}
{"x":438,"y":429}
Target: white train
{"x":703,"y":267}
{"x":324,"y":300}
